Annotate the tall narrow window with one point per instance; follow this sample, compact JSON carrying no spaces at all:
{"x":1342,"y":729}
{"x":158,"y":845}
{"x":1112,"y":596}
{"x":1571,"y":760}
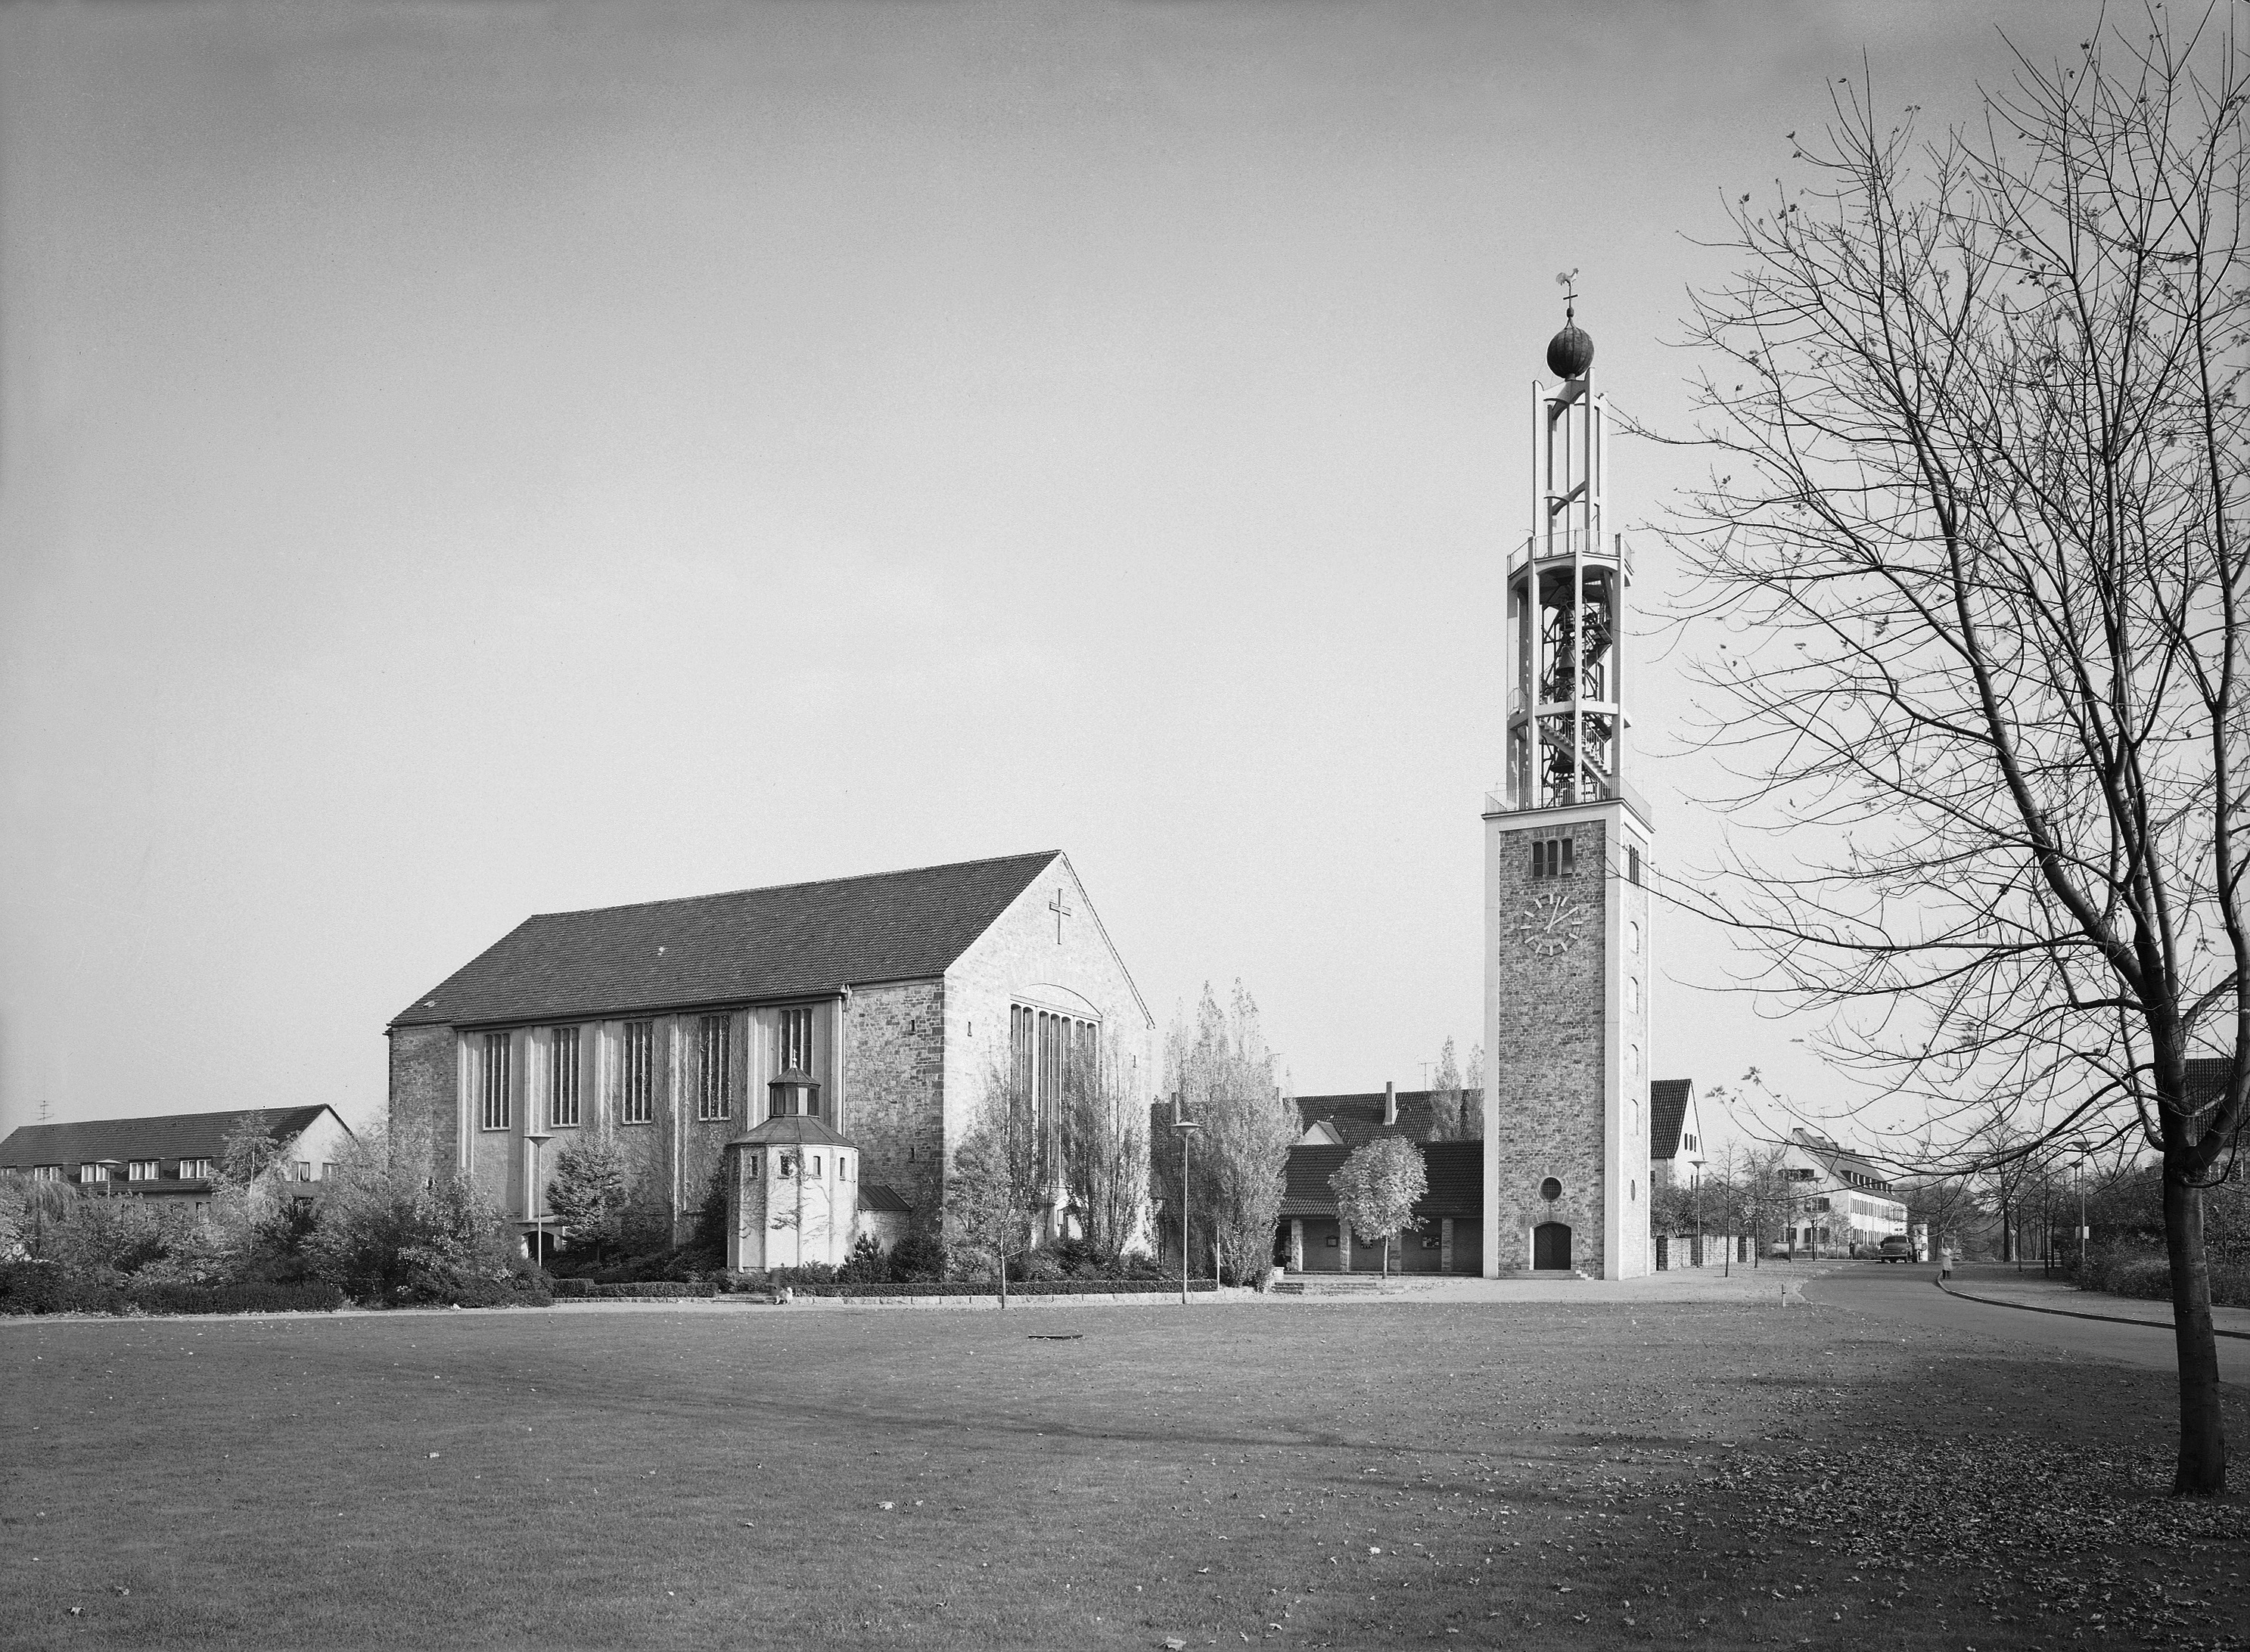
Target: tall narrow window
{"x":711,"y":1093}
{"x":793,"y":1046}
{"x":495,"y":1089}
{"x":562,"y":1077}
{"x":636,"y":1088}
{"x":1632,"y":863}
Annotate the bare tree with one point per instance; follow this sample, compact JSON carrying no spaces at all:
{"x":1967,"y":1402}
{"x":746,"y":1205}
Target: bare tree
{"x":1002,"y":1172}
{"x":1973,"y":539}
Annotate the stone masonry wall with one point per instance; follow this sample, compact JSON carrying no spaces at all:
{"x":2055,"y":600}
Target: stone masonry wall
{"x":425,"y":1092}
{"x":1544,"y":1057}
{"x":894,"y":1055}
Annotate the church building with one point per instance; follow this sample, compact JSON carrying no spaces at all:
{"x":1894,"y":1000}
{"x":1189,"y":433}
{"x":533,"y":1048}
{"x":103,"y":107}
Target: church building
{"x":826,"y":1044}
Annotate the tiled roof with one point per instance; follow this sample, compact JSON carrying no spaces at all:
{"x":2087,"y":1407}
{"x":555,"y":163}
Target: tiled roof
{"x":875,"y":1197}
{"x":1667,"y":1115}
{"x":1455,"y":1170}
{"x":800,"y":1129}
{"x":754,"y":945}
{"x":1359,"y":1117}
{"x":180,"y":1135}
{"x":1842,"y":1165}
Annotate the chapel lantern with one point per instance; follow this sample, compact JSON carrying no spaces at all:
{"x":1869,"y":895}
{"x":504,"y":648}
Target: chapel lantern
{"x":793,"y":1095}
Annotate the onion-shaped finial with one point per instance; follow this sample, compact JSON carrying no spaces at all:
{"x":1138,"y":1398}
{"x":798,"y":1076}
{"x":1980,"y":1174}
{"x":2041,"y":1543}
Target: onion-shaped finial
{"x":1570,"y":351}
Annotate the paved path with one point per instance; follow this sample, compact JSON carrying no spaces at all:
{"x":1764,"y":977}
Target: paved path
{"x":1910,"y":1293}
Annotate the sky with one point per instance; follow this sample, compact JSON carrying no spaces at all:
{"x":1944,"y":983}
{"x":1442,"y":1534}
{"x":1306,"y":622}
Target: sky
{"x":458,"y":461}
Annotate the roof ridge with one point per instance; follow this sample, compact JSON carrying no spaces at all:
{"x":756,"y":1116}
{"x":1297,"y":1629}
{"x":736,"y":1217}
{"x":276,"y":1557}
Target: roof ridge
{"x":802,"y":883}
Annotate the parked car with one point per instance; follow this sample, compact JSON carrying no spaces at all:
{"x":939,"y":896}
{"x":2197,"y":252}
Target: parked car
{"x":1897,"y":1248}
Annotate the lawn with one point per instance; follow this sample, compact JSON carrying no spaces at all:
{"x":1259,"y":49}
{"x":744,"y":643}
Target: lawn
{"x":1556,"y":1475}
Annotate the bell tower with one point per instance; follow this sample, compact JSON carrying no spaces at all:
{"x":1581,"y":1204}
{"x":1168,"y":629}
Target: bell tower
{"x":1567,"y":933}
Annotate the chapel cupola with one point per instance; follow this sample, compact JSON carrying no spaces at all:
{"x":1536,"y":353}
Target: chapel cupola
{"x":1566,"y":588}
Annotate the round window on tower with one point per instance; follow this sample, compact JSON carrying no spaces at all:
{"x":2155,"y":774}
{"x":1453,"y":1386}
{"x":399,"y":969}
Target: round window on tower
{"x":1550,"y":1190}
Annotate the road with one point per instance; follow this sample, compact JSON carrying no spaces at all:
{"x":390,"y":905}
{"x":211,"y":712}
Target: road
{"x":1910,"y":1293}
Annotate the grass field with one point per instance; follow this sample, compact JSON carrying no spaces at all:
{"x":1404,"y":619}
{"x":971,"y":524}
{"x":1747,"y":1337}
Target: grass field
{"x":1355,"y":1475}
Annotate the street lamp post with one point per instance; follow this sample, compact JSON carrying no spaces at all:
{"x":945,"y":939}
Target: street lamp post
{"x":1186,"y":1127}
{"x":538,"y":1138}
{"x":2081,"y":1148}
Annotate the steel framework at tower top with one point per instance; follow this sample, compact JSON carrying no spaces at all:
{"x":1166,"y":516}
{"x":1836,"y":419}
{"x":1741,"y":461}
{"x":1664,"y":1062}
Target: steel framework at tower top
{"x":1566,"y":586}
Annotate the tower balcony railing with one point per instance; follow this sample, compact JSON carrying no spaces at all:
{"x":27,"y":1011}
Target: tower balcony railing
{"x":1595,"y":789}
{"x":1565,"y":543}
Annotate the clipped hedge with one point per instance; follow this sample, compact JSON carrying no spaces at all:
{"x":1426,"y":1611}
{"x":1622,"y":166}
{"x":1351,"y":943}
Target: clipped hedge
{"x":1027,"y":1287}
{"x":588,"y":1289}
{"x":47,"y":1287}
{"x":300,"y":1296}
{"x":2148,"y":1277}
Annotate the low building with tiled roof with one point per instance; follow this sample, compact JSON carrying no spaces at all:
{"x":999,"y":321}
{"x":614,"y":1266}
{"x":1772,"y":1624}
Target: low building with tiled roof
{"x":174,"y":1156}
{"x":1311,"y":1239}
{"x":1418,"y":1115}
{"x":884,"y":1006}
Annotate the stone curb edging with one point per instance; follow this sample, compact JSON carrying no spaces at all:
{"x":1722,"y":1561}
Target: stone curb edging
{"x":2073,"y":1313}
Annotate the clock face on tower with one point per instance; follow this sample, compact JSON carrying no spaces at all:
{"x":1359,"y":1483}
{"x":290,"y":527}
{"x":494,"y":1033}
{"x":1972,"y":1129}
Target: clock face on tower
{"x":1551,"y":924}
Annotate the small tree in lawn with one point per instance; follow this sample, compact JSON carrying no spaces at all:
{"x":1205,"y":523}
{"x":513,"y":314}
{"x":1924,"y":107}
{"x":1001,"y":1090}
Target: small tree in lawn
{"x":589,"y":1190}
{"x":1377,"y":1189}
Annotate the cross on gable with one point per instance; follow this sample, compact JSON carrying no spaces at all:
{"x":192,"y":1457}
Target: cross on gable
{"x":1061,"y":908}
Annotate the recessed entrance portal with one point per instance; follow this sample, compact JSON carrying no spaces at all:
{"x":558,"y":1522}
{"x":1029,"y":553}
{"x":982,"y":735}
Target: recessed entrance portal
{"x":1550,"y":1245}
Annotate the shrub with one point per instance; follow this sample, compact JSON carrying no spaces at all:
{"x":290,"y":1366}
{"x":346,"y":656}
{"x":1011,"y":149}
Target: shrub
{"x":918,"y":1258}
{"x":47,"y":1287}
{"x":1034,"y":1266}
{"x":391,"y":1232}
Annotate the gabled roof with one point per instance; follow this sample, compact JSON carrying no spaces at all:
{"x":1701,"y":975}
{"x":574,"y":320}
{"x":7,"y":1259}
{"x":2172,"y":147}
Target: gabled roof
{"x":1455,"y":1170}
{"x":180,"y":1135}
{"x":1358,"y":1117}
{"x":1843,"y":1167}
{"x":1667,"y":1115}
{"x":751,"y":945}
